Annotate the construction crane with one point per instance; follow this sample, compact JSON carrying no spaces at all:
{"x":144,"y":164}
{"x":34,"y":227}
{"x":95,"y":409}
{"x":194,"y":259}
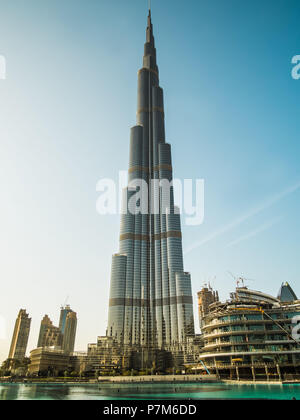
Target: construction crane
{"x":208,"y":281}
{"x":65,"y":302}
{"x":240,"y":279}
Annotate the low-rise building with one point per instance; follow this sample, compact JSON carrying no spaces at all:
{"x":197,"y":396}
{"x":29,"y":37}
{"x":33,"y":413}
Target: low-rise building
{"x":49,"y":361}
{"x":103,"y":356}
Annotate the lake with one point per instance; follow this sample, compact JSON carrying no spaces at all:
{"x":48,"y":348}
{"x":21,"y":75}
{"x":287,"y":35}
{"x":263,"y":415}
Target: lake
{"x":147,"y":391}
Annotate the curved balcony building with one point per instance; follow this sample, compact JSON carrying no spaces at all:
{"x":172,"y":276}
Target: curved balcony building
{"x":251,"y":339}
{"x":243,"y":294}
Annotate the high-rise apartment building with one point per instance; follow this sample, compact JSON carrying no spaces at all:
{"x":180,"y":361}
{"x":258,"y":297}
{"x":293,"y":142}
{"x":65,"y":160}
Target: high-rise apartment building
{"x":64,"y":311}
{"x":151,"y":303}
{"x":62,"y":337}
{"x":69,"y":332}
{"x":20,"y":336}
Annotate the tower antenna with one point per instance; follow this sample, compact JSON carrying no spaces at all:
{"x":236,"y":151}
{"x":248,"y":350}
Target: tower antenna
{"x":149,"y":5}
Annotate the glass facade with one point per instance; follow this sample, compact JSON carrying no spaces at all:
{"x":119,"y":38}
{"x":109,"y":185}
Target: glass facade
{"x":150,"y":294}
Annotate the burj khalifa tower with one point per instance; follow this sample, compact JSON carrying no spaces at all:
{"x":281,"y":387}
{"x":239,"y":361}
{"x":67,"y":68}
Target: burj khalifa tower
{"x":151,"y":304}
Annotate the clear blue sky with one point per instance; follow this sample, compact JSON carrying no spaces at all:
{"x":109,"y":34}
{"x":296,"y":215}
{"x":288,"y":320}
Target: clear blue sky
{"x":66,"y":107}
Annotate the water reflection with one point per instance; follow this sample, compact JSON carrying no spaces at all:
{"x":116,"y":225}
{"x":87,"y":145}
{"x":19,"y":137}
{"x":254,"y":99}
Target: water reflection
{"x":146,"y":391}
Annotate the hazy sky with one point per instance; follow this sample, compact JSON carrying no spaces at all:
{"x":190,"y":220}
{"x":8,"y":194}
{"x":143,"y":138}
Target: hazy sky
{"x":66,"y":108}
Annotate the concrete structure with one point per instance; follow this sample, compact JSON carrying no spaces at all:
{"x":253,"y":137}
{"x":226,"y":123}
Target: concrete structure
{"x":49,"y":336}
{"x":251,"y":339}
{"x":206,"y":297}
{"x":151,"y":304}
{"x":20,"y":336}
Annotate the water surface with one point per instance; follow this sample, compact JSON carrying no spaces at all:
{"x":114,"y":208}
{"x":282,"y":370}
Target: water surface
{"x":147,"y":391}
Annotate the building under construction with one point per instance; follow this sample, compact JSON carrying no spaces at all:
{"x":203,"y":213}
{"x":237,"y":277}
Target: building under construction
{"x":252,"y":336}
{"x":206,"y":297}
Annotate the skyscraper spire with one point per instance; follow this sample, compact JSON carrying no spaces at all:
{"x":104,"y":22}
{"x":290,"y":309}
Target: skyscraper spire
{"x":150,"y":303}
{"x":150,"y":37}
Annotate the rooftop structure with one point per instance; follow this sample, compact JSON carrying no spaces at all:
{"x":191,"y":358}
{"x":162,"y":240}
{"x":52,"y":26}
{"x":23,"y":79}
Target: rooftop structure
{"x":243,"y":294}
{"x":286,"y":293}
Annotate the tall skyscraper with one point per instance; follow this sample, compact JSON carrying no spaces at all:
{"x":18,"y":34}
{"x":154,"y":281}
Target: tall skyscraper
{"x":64,"y":311}
{"x":69,"y":332}
{"x":20,"y":336}
{"x":151,"y":303}
{"x":62,"y":337}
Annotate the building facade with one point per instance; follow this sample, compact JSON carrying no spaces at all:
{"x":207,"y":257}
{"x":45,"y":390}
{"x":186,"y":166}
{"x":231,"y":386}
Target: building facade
{"x":62,"y":337}
{"x":251,"y":339}
{"x":49,"y":336}
{"x":101,"y":357}
{"x":20,"y":336}
{"x":150,"y":305}
{"x":49,"y":362}
{"x":206,"y":296}
{"x":69,"y":333}
{"x":64,"y":311}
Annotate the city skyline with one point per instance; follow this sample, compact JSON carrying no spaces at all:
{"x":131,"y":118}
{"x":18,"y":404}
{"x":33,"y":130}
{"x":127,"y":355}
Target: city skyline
{"x":232,"y":120}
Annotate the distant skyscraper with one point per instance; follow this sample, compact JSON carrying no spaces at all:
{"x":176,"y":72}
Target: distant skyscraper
{"x":70,"y":332}
{"x":62,"y":337}
{"x":50,"y":336}
{"x":20,"y":336}
{"x":151,"y":301}
{"x":64,"y":311}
